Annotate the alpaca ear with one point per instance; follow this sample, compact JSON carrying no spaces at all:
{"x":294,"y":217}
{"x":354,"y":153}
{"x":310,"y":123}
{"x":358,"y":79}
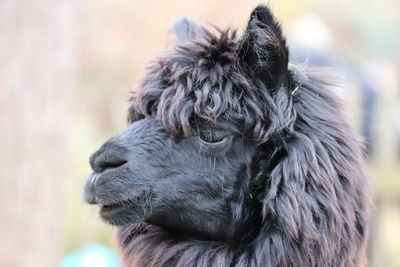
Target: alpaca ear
{"x":263,"y":48}
{"x":186,"y":29}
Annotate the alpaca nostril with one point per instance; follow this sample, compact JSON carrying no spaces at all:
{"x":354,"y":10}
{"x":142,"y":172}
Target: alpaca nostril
{"x":106,"y":159}
{"x":111,"y":164}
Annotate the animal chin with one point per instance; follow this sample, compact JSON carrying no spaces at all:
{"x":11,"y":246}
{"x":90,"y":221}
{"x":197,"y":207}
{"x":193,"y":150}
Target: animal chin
{"x":120,"y":214}
{"x":115,"y":206}
{"x":127,"y":211}
{"x":107,"y":210}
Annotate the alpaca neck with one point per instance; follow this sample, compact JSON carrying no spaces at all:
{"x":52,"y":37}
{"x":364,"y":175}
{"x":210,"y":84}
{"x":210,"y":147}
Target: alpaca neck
{"x":150,"y":245}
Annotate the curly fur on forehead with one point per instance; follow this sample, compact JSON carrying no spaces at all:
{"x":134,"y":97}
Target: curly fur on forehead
{"x":204,"y":80}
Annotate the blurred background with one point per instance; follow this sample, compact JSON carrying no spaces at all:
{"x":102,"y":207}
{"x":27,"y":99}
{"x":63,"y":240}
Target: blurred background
{"x":66,"y":69}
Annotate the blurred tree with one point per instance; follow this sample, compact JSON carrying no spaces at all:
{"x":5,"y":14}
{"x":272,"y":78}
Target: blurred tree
{"x":38,"y":51}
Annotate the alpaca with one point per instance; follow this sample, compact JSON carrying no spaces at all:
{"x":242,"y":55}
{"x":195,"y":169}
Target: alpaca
{"x":232,"y":158}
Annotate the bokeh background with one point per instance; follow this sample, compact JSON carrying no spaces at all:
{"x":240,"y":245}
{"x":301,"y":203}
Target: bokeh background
{"x":66,"y":69}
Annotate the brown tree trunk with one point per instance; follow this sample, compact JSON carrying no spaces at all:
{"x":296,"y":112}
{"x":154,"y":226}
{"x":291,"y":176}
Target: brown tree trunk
{"x":38,"y":51}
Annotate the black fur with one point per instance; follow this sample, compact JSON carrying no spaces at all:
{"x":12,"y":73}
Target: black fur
{"x":223,"y":164}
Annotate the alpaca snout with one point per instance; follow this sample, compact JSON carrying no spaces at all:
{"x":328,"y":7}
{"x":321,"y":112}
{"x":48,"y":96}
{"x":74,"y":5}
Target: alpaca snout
{"x":109,"y":157}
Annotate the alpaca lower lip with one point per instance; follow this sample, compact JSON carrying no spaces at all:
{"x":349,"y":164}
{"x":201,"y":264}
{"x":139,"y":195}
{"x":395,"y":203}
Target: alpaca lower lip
{"x":106,"y":208}
{"x":109,"y":213}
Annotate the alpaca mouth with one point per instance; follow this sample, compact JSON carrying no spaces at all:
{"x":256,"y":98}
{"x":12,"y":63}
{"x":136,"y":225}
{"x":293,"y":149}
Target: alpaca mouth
{"x":106,"y":208}
{"x":126,"y":211}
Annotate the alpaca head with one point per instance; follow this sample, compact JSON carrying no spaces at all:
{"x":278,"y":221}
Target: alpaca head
{"x":225,"y":156}
{"x":197,"y":121}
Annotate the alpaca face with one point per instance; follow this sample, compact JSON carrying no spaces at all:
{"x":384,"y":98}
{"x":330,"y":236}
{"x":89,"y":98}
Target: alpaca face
{"x":170,"y":168}
{"x":180,"y":183}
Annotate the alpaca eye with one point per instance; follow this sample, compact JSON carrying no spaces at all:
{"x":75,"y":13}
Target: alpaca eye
{"x":213,"y":137}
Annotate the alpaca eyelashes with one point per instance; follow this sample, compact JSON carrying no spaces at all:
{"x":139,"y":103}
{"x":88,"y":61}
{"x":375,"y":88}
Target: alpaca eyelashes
{"x":210,"y":136}
{"x":215,"y":142}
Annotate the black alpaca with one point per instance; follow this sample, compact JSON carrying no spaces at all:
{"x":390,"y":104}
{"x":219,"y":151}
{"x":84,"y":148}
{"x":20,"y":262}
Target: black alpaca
{"x":233,"y":159}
